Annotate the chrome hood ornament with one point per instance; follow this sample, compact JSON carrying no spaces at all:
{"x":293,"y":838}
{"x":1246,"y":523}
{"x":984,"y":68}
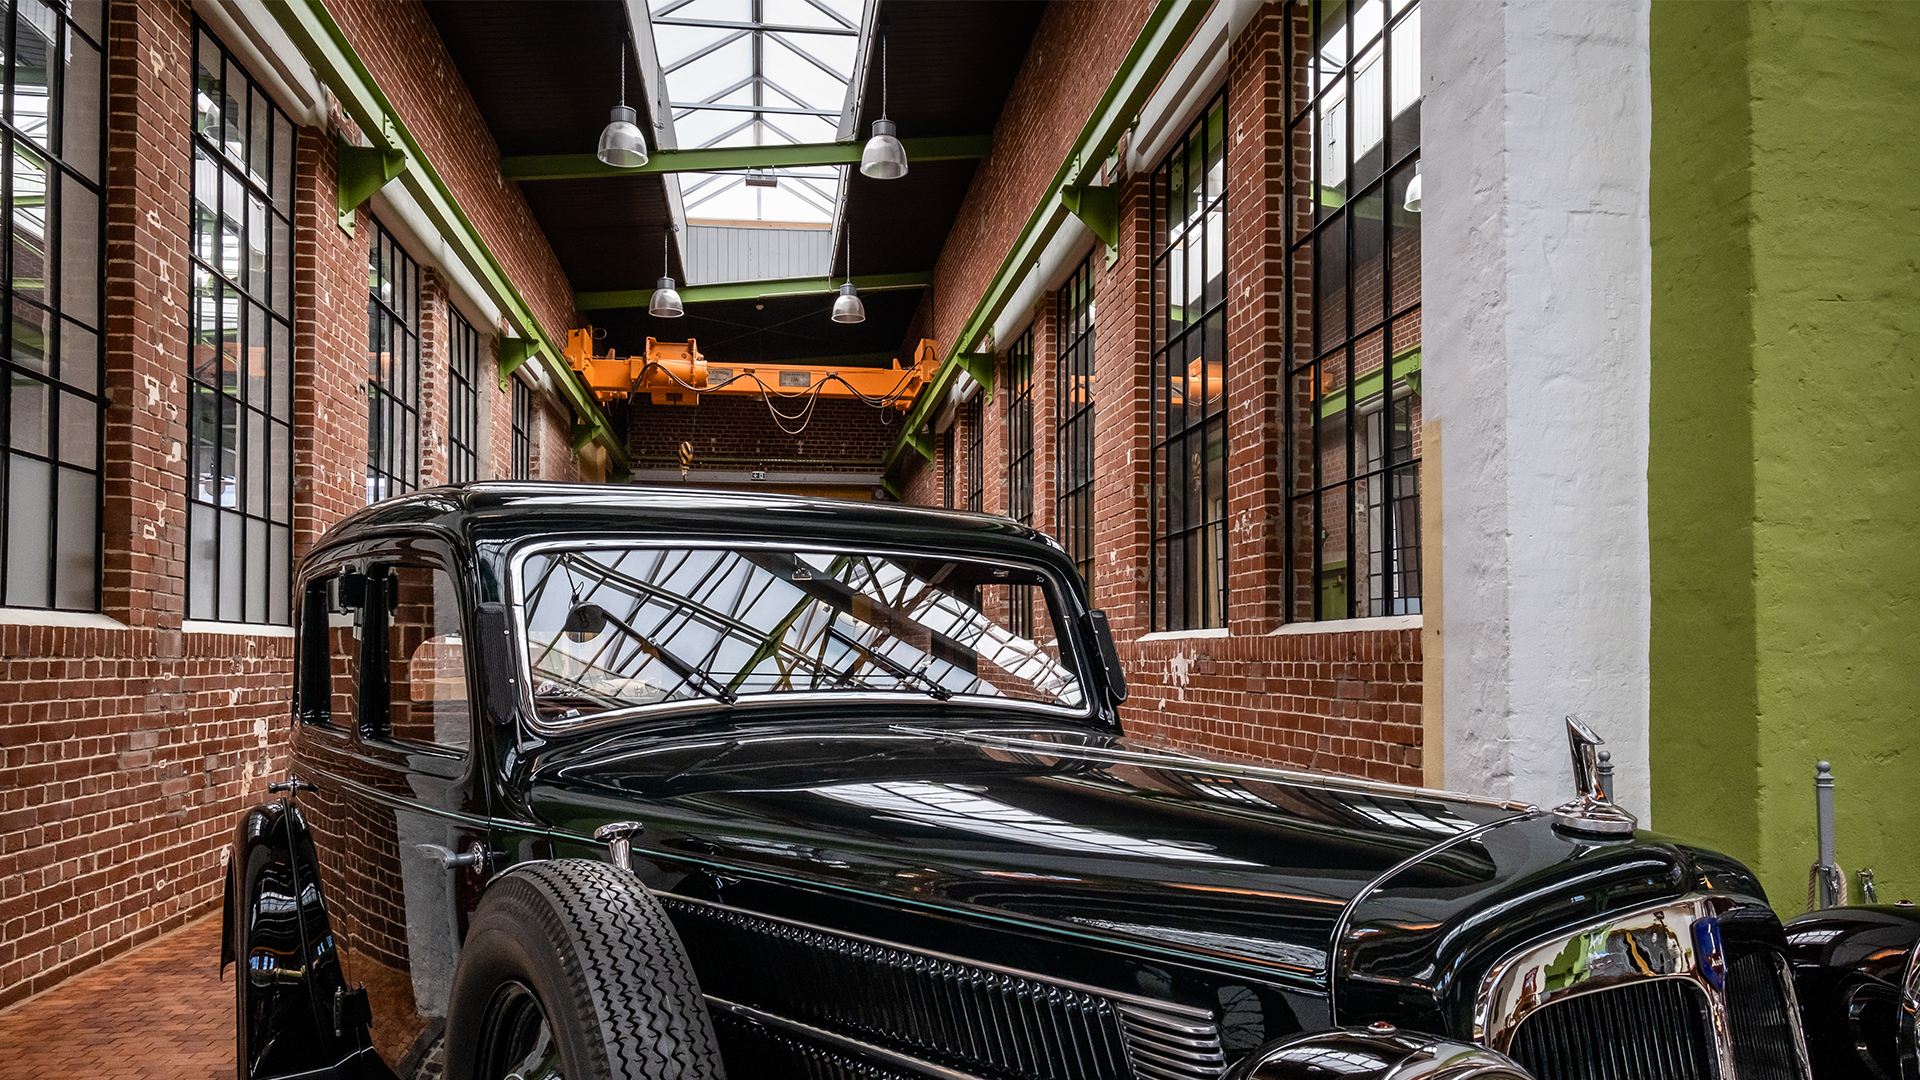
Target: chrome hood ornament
{"x":1590,"y":812}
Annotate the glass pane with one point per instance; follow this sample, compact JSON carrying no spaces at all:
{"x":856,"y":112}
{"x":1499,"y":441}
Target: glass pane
{"x":277,"y":477}
{"x":1369,"y":265}
{"x":206,"y":78}
{"x":1404,"y":244}
{"x":1330,"y":40}
{"x":1330,"y":285}
{"x":32,"y":329}
{"x":31,"y":422}
{"x":229,"y":568}
{"x":258,"y":142}
{"x":256,"y":256}
{"x":232,"y":244}
{"x":256,"y":436}
{"x":30,"y":224}
{"x":280,"y":372}
{"x":232,"y":121}
{"x":1404,"y":134}
{"x":256,"y":551}
{"x":1330,"y":152}
{"x":80,"y":109}
{"x":229,"y":451}
{"x":277,"y":574}
{"x":203,"y":443}
{"x":35,"y":26}
{"x":79,"y":253}
{"x":29,"y":523}
{"x":90,"y":15}
{"x":76,"y":567}
{"x":1334,"y":584}
{"x":282,"y":163}
{"x":203,"y":555}
{"x":256,"y":356}
{"x":1369,"y":114}
{"x":281,"y":255}
{"x":230,"y":360}
{"x":79,"y":431}
{"x":206,"y":207}
{"x":79,"y":357}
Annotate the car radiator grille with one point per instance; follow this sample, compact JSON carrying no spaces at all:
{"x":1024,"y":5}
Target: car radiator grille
{"x":976,"y":1019}
{"x":1759,"y":1014}
{"x":753,"y":1050}
{"x":1657,"y":1029}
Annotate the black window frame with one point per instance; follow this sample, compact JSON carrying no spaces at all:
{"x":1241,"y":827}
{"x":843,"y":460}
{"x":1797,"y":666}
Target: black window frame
{"x":522,"y":464}
{"x":1020,"y":454}
{"x":463,"y":399}
{"x":948,"y":467}
{"x":239,"y":346}
{"x":1331,"y":416}
{"x":53,"y":331}
{"x":1075,"y":432}
{"x":1198,"y":444}
{"x":974,"y":416}
{"x":393,"y":391}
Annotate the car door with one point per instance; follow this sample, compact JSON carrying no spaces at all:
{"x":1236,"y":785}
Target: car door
{"x":398,"y":812}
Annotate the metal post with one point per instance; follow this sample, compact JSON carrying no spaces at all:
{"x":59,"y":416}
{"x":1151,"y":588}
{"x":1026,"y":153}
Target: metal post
{"x":1828,"y":872}
{"x":1606,"y":774}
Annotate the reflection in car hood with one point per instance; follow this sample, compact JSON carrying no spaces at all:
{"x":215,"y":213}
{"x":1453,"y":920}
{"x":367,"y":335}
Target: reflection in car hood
{"x":1063,"y":828}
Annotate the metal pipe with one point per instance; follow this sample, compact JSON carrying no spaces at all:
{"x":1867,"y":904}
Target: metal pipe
{"x":1828,"y":871}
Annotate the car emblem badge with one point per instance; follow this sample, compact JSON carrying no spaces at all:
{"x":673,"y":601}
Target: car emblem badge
{"x":1710,"y":951}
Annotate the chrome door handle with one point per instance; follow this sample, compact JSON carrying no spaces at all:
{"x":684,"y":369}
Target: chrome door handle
{"x":476,"y":856}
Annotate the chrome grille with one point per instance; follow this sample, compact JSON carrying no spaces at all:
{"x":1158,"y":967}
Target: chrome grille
{"x":752,"y":1050}
{"x":1654,"y":1029}
{"x":1760,"y":1016}
{"x":969,"y":1017}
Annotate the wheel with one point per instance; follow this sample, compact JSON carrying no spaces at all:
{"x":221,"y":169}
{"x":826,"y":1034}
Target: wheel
{"x":571,"y":969}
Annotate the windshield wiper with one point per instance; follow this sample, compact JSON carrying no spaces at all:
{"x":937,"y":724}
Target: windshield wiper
{"x":586,"y":620}
{"x":894,"y":667}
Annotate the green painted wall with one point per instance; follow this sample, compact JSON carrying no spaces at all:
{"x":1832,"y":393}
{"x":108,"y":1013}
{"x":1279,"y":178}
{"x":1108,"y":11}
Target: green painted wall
{"x":1784,"y":470}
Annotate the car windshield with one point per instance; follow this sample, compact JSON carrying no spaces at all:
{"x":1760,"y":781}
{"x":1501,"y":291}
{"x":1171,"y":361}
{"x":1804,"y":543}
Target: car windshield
{"x":622,"y":627}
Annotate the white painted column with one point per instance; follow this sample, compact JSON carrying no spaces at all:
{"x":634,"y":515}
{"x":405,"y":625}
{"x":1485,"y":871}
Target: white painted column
{"x":1537,"y":283}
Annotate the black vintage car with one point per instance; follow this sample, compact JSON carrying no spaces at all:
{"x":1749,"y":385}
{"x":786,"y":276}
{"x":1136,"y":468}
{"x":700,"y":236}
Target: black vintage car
{"x":613,"y":782}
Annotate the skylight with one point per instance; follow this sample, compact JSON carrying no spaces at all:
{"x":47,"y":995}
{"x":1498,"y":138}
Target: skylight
{"x":758,"y":73}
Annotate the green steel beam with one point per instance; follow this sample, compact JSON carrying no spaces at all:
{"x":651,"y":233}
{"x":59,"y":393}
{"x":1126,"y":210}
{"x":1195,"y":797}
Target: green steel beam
{"x":364,"y":170}
{"x":334,"y":60}
{"x":1168,"y":28}
{"x":723,"y":158}
{"x":1096,"y":205}
{"x":753,"y":290}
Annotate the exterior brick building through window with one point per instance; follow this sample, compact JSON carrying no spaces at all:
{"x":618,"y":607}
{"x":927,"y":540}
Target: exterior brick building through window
{"x":1073,"y":403}
{"x":1189,"y":487}
{"x":976,"y":461}
{"x":1020,"y":464}
{"x":51,"y":408}
{"x":463,"y":400}
{"x":393,"y":367}
{"x":240,"y":347}
{"x":522,"y":430}
{"x":1353,"y":346}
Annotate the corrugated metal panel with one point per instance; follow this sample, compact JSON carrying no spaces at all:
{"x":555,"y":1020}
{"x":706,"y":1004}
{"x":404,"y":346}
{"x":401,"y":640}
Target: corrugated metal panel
{"x":716,"y":253}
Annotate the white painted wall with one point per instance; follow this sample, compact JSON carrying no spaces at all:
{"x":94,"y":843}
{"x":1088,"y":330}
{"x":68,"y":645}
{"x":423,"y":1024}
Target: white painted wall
{"x":1537,"y":283}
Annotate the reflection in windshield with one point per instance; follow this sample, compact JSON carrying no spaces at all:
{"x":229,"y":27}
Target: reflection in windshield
{"x":944,"y":806}
{"x":738,"y":623}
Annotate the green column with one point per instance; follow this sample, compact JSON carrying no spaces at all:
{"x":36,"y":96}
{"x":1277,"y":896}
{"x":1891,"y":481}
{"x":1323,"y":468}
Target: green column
{"x":1783,"y":480}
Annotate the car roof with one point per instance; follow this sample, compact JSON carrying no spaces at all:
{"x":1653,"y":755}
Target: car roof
{"x":506,"y":511}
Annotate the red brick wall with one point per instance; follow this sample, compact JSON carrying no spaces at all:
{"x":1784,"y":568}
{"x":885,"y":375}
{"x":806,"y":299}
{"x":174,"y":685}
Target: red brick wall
{"x":129,"y":748}
{"x":1346,"y":702}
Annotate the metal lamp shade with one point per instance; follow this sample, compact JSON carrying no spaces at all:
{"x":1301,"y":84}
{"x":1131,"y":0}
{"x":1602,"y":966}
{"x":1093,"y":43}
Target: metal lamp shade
{"x":666,"y":302}
{"x":621,"y":143}
{"x":1413,"y":194}
{"x":884,"y":158}
{"x":847,"y":307}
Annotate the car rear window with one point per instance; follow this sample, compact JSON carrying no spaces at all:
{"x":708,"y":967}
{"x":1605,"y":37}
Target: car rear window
{"x":610,"y":628}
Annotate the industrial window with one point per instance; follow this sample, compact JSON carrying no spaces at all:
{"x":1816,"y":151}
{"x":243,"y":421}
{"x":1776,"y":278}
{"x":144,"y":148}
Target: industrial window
{"x":948,"y":467}
{"x":976,"y":456}
{"x":1189,"y":485}
{"x":50,"y":404}
{"x":1353,"y":339}
{"x":1073,"y":402}
{"x":463,"y":400}
{"x":522,"y":430}
{"x":240,"y":348}
{"x":1020,"y":464}
{"x":393,"y":368}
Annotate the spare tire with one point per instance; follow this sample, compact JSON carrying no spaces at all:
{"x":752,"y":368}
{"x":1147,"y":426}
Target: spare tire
{"x":572,"y":969}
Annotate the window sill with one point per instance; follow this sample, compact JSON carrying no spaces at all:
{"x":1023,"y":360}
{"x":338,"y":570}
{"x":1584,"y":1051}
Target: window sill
{"x":40,"y":617}
{"x":243,"y":629}
{"x":1183,"y":635}
{"x":1351,"y":626}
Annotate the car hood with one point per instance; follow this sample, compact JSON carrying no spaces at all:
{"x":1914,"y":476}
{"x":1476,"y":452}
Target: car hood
{"x":1068,"y":829}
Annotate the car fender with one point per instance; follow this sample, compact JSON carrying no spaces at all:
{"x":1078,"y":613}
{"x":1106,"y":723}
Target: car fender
{"x":1857,"y":970}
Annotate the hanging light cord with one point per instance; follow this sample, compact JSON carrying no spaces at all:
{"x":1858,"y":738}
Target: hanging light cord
{"x":663,"y":250}
{"x":623,"y":72}
{"x":883,"y":76}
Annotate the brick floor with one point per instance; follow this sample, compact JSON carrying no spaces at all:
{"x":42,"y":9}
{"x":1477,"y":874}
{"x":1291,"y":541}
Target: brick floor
{"x":160,"y":1012}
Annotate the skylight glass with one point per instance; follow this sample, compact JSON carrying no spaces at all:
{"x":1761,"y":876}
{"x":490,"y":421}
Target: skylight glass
{"x":758,"y":73}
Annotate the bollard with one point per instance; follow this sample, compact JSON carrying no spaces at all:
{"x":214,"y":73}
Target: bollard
{"x":1827,"y":882}
{"x":1606,"y":774}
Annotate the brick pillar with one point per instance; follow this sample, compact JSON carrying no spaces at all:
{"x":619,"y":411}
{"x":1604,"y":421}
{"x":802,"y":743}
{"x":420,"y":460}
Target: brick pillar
{"x":436,"y":379}
{"x":1256,"y":314}
{"x":1122,"y":365}
{"x":149,"y":155}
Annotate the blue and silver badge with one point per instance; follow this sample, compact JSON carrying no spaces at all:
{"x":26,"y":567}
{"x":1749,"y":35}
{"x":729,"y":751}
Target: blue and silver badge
{"x":1710,"y":952}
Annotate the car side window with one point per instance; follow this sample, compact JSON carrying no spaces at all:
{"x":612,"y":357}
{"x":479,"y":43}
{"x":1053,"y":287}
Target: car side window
{"x":426,"y":663}
{"x":330,"y":650}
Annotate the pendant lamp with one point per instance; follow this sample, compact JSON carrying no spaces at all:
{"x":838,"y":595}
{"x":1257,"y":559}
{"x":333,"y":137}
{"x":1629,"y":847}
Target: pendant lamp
{"x":621,"y":143}
{"x":884,"y":158}
{"x":666,"y":300}
{"x":1413,"y":191}
{"x":847,"y":307}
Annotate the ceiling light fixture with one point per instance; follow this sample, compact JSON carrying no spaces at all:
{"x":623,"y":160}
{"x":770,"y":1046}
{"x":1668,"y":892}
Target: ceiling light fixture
{"x":884,"y":158}
{"x":847,"y":307}
{"x":621,"y":143}
{"x":666,"y":301}
{"x":1413,"y":190}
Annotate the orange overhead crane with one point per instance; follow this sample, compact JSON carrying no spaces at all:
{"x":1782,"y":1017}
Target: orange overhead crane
{"x":676,"y":373}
